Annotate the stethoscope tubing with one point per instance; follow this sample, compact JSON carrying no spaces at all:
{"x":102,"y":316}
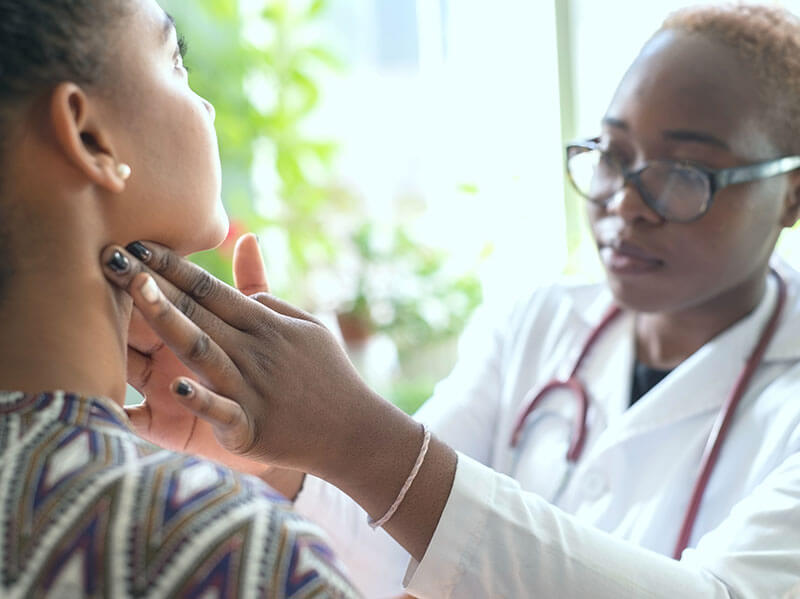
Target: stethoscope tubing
{"x":573,"y":384}
{"x":720,"y":430}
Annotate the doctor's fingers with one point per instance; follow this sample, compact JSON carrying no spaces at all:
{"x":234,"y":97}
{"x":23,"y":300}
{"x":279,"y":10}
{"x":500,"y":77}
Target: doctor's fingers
{"x":279,"y":306}
{"x":188,"y":340}
{"x":199,"y":286}
{"x":232,"y":426}
{"x":121,"y":268}
{"x":151,"y":374}
{"x":223,"y":301}
{"x":236,"y":307}
{"x":141,"y":337}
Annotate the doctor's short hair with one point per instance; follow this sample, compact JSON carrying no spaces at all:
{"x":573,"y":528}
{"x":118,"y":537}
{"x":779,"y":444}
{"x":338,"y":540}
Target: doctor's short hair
{"x":767,"y":38}
{"x":44,"y":43}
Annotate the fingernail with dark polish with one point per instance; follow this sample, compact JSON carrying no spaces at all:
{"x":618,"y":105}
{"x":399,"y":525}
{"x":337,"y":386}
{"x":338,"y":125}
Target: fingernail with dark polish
{"x":183,"y":388}
{"x":119,"y":263}
{"x":141,"y":252}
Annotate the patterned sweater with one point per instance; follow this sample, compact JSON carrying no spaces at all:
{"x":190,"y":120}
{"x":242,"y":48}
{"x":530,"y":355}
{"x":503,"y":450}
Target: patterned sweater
{"x":89,"y":509}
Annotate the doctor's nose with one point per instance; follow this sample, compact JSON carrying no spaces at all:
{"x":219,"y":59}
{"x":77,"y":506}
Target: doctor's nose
{"x":628,"y":203}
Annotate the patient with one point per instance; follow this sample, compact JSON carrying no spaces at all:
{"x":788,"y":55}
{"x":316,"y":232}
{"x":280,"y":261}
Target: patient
{"x":101,"y":139}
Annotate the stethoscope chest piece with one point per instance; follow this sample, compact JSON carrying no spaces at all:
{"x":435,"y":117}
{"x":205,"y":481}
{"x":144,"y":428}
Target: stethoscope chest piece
{"x":545,"y":448}
{"x":546,"y":478}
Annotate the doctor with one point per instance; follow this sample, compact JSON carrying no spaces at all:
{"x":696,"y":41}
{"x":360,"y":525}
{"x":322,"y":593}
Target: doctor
{"x":690,"y":444}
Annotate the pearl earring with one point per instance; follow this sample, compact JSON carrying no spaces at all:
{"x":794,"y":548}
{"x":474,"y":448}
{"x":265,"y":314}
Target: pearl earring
{"x":124,"y":171}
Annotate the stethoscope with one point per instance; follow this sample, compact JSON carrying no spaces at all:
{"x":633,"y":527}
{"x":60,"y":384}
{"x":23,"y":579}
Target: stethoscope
{"x":715,"y":439}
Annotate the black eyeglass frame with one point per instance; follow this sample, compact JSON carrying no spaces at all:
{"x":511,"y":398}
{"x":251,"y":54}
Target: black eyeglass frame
{"x":717,"y":178}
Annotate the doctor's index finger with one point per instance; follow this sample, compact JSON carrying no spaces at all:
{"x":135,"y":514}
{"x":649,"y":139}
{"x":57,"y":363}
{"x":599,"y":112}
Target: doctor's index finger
{"x":186,"y":338}
{"x":122,"y":268}
{"x":199,"y":285}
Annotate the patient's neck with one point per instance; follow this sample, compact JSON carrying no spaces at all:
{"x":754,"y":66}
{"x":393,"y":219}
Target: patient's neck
{"x":62,"y":327}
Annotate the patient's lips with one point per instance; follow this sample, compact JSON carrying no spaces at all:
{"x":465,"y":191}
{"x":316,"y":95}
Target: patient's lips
{"x":625,"y":258}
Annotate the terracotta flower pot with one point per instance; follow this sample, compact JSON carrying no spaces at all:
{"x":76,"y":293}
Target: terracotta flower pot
{"x":356,"y":329}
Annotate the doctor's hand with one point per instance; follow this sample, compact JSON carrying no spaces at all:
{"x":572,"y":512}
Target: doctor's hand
{"x":153,"y":366}
{"x":277,"y":388}
{"x":294,"y":387}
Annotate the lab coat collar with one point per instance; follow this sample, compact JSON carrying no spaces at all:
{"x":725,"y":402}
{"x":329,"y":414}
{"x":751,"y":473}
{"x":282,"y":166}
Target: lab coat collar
{"x":786,"y":343}
{"x":700,"y":384}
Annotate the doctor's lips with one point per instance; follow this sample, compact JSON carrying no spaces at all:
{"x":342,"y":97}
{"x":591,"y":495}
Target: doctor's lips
{"x":621,"y":257}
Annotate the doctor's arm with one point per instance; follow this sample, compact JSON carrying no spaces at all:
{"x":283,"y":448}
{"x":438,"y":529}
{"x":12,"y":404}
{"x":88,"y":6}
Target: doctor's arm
{"x":462,"y":413}
{"x":494,"y":539}
{"x":299,"y":404}
{"x":277,"y":388}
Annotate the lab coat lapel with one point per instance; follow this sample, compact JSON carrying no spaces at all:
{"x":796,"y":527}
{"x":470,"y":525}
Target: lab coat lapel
{"x":785,"y":345}
{"x":700,"y":384}
{"x":607,"y":374}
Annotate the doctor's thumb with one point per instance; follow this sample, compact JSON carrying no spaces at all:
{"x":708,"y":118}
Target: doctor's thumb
{"x":249,"y":272}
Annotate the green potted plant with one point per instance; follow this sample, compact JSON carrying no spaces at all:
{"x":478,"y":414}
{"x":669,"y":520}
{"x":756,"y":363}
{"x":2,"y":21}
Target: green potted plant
{"x":290,"y":65}
{"x":403,"y":289}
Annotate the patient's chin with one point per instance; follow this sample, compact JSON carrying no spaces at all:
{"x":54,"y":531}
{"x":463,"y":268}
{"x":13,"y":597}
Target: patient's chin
{"x":221,"y":227}
{"x":207,"y":237}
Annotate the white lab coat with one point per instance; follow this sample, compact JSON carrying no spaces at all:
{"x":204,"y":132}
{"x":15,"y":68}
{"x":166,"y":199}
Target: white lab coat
{"x":617,"y":520}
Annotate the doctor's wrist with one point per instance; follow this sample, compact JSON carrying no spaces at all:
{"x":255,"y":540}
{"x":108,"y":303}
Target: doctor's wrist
{"x":374,"y":455}
{"x":375,"y":464}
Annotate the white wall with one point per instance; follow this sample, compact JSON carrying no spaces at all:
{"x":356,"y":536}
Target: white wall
{"x":477,"y":106}
{"x":442,"y":93}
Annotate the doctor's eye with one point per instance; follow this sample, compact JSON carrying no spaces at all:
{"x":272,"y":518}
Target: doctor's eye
{"x":614,"y":155}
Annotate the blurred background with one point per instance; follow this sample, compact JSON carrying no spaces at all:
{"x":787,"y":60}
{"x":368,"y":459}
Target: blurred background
{"x":401,"y":160}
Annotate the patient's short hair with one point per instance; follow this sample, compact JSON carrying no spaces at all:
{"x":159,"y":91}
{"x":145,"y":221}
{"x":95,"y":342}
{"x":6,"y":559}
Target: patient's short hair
{"x":767,"y":39}
{"x":44,"y":43}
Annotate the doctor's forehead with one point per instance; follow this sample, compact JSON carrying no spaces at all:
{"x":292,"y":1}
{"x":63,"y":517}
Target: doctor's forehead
{"x":685,"y":86}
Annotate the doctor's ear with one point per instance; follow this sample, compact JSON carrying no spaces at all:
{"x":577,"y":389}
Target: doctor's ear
{"x":791,"y":204}
{"x":83,"y":138}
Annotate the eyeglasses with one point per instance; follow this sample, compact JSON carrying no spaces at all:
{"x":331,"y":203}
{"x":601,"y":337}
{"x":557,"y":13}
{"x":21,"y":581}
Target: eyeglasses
{"x":678,"y":192}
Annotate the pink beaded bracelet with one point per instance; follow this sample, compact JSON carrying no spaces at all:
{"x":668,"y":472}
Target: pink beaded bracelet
{"x":402,"y":495}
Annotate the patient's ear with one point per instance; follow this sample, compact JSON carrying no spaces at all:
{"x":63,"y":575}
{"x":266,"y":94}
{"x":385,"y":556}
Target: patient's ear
{"x":83,"y":137}
{"x":791,"y":204}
